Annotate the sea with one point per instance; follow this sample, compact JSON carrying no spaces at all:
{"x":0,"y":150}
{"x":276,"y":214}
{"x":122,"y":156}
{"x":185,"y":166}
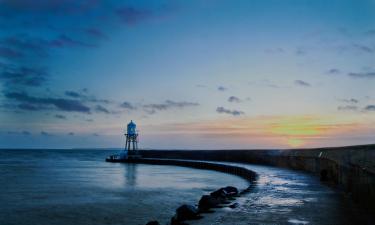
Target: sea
{"x":77,"y":187}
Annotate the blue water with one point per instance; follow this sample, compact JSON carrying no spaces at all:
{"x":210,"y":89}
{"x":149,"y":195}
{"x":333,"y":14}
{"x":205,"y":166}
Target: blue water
{"x":63,"y":187}
{"x":76,"y":187}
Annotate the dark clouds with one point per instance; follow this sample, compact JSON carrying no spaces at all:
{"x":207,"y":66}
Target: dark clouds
{"x":370,"y":108}
{"x":234,"y":99}
{"x":29,"y":46}
{"x":13,"y":76}
{"x":334,"y":71}
{"x":86,"y":98}
{"x":364,"y":48}
{"x":347,"y":108}
{"x":350,"y":100}
{"x":22,"y":46}
{"x":73,"y":94}
{"x":95,"y":32}
{"x":38,"y":31}
{"x":302,"y":83}
{"x":131,"y":16}
{"x":370,"y":32}
{"x":40,"y":103}
{"x":25,"y":133}
{"x":300,"y":51}
{"x":168,"y":104}
{"x":58,"y":116}
{"x":221,"y":109}
{"x":362,"y":75}
{"x":64,"y":41}
{"x":127,"y":105}
{"x":44,"y":133}
{"x":222,"y":88}
{"x":8,"y":53}
{"x":47,"y":6}
{"x":102,"y":109}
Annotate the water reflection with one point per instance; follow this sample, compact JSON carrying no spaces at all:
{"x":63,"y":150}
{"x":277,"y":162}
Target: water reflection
{"x":131,"y":174}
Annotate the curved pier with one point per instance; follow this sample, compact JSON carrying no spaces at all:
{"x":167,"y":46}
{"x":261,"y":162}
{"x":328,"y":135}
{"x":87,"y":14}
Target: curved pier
{"x":278,"y":196}
{"x":207,"y":201}
{"x":247,"y":174}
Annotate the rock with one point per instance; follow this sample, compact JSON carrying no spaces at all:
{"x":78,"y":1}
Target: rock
{"x":154,"y":222}
{"x":207,"y":201}
{"x":231,"y":191}
{"x":234,"y":205}
{"x":220,"y":193}
{"x":174,"y":221}
{"x":187,"y":212}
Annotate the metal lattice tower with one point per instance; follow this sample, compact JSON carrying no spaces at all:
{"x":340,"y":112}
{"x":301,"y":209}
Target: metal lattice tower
{"x":131,"y":143}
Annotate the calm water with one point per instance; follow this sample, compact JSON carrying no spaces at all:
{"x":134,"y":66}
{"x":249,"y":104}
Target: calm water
{"x":47,"y":187}
{"x":51,"y":187}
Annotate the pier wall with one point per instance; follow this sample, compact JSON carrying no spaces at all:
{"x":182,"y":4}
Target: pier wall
{"x":351,"y":168}
{"x":230,"y":169}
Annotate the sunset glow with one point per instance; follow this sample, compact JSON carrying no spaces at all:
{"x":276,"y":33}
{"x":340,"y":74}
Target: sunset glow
{"x":192,"y":74}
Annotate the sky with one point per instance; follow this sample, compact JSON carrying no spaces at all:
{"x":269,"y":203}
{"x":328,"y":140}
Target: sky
{"x":255,"y":74}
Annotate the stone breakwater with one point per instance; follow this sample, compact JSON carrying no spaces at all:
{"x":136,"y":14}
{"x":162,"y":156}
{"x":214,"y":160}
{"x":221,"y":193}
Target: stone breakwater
{"x":351,"y":168}
{"x":216,"y":199}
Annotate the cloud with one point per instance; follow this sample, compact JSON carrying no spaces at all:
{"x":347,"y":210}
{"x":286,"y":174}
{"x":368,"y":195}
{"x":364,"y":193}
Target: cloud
{"x":369,"y":108}
{"x":334,"y":71}
{"x":66,"y":41}
{"x":301,"y":51}
{"x":47,"y":6}
{"x":102,"y":109}
{"x":43,"y":133}
{"x":370,"y":32}
{"x":18,"y":46}
{"x":23,"y":76}
{"x":302,"y":83}
{"x":347,"y":108}
{"x":9,"y":53}
{"x":127,"y":105}
{"x":25,"y":133}
{"x":28,"y":107}
{"x":58,"y":116}
{"x":73,"y":94}
{"x":364,"y":48}
{"x":27,"y":45}
{"x":228,"y":111}
{"x":41,"y":103}
{"x":362,"y":75}
{"x":221,"y":88}
{"x":131,"y":16}
{"x":168,"y":104}
{"x":95,"y":32}
{"x":86,"y":98}
{"x":265,"y":83}
{"x":350,"y":100}
{"x":234,"y":99}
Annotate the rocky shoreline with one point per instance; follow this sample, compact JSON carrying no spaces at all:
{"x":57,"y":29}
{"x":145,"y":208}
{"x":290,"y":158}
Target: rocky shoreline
{"x":222,"y":197}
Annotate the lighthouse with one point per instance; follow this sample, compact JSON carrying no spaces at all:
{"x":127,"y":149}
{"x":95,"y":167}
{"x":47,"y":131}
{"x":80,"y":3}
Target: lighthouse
{"x":131,"y":142}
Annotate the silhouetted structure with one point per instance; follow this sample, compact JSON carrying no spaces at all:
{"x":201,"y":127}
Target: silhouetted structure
{"x":131,"y":143}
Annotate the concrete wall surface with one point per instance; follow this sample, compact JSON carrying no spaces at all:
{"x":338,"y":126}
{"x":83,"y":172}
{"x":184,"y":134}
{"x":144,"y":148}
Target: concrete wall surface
{"x":350,"y":168}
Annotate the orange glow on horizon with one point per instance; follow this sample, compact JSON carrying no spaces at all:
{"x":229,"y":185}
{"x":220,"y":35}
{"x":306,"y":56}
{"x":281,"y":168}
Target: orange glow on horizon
{"x":271,"y":131}
{"x":295,"y":142}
